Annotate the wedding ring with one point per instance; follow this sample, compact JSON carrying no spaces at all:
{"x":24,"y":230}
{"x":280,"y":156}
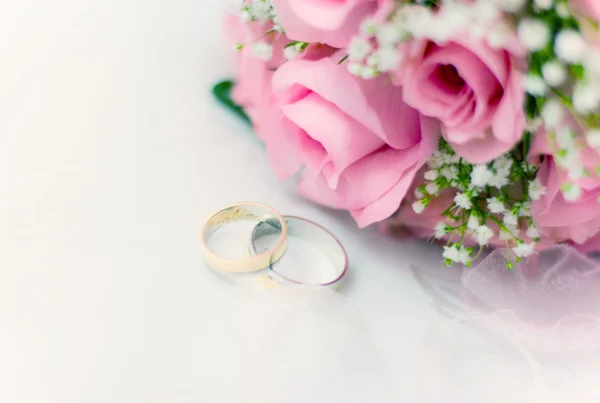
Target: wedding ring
{"x":239,"y":212}
{"x":323,"y":240}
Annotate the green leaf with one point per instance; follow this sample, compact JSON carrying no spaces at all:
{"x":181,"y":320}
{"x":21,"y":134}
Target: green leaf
{"x":222,"y":91}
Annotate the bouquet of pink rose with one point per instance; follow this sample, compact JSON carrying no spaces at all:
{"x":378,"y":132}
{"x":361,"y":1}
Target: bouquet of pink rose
{"x":473,"y":121}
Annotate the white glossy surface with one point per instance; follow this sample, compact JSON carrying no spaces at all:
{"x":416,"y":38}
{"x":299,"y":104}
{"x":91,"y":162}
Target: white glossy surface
{"x":112,"y":153}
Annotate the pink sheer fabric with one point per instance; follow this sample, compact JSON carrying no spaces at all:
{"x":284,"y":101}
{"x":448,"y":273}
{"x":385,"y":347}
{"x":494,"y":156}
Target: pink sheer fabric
{"x":528,"y":335}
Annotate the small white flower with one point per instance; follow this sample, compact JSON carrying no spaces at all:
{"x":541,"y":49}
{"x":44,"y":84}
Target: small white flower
{"x":570,"y":46}
{"x":432,"y":188}
{"x":511,"y":6}
{"x":523,"y":249}
{"x":290,"y":52}
{"x":359,"y":48}
{"x":449,"y":172}
{"x":508,"y":233}
{"x":499,"y":179}
{"x":389,"y":58}
{"x":534,"y":85}
{"x":510,"y":219}
{"x":450,"y":253}
{"x":435,"y":161}
{"x":533,"y":34}
{"x":534,"y":125}
{"x":480,"y":175}
{"x":562,"y":9}
{"x":463,"y":201}
{"x":355,"y":68}
{"x":532,"y":232}
{"x":456,"y":254}
{"x":585,"y":98}
{"x":418,"y":193}
{"x":368,"y":73}
{"x":575,"y":170}
{"x":262,"y":50}
{"x":536,"y":190}
{"x":419,"y":206}
{"x":431,"y":175}
{"x":483,"y":234}
{"x":463,"y":255}
{"x":592,"y":137}
{"x":498,"y":34}
{"x":440,"y":230}
{"x":554,"y":73}
{"x":591,"y":62}
{"x":525,"y":209}
{"x":474,"y":221}
{"x":565,"y":137}
{"x":571,"y":191}
{"x":245,"y":17}
{"x":373,"y":59}
{"x":389,"y":35}
{"x":369,"y":27}
{"x":543,"y":4}
{"x":552,"y":113}
{"x":495,"y":206}
{"x":503,"y":164}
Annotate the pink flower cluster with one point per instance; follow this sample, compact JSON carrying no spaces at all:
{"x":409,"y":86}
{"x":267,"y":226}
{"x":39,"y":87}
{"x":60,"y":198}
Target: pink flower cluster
{"x":362,"y":145}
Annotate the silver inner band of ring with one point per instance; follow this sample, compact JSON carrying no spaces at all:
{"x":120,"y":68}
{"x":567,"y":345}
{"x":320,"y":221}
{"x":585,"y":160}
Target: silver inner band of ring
{"x":318,"y":236}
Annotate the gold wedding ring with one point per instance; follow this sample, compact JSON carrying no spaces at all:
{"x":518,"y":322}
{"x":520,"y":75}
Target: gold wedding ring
{"x":238,"y":212}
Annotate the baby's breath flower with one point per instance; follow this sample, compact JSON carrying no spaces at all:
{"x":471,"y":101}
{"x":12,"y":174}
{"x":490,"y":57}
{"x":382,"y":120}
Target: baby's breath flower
{"x":511,"y":6}
{"x":441,"y":229}
{"x":495,"y":205}
{"x":262,"y":50}
{"x":554,"y":73}
{"x":369,"y":27}
{"x":535,"y":85}
{"x":570,"y":46}
{"x":543,"y":4}
{"x":510,"y":219}
{"x":536,"y":189}
{"x":523,"y":249}
{"x":533,"y":34}
{"x":585,"y":98}
{"x":432,"y":188}
{"x":449,"y":172}
{"x":431,"y":175}
{"x":532,"y":232}
{"x":593,"y":138}
{"x":419,"y":206}
{"x":480,"y":175}
{"x":483,"y":234}
{"x":552,"y":113}
{"x":359,"y":48}
{"x":463,"y":201}
{"x":474,"y":221}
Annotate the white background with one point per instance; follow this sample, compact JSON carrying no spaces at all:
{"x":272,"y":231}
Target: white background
{"x":112,"y":153}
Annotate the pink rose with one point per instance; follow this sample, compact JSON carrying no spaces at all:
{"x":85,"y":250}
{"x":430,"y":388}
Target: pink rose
{"x":474,"y":90}
{"x":360,"y":144}
{"x":586,"y":8}
{"x":559,"y":219}
{"x":333,"y":22}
